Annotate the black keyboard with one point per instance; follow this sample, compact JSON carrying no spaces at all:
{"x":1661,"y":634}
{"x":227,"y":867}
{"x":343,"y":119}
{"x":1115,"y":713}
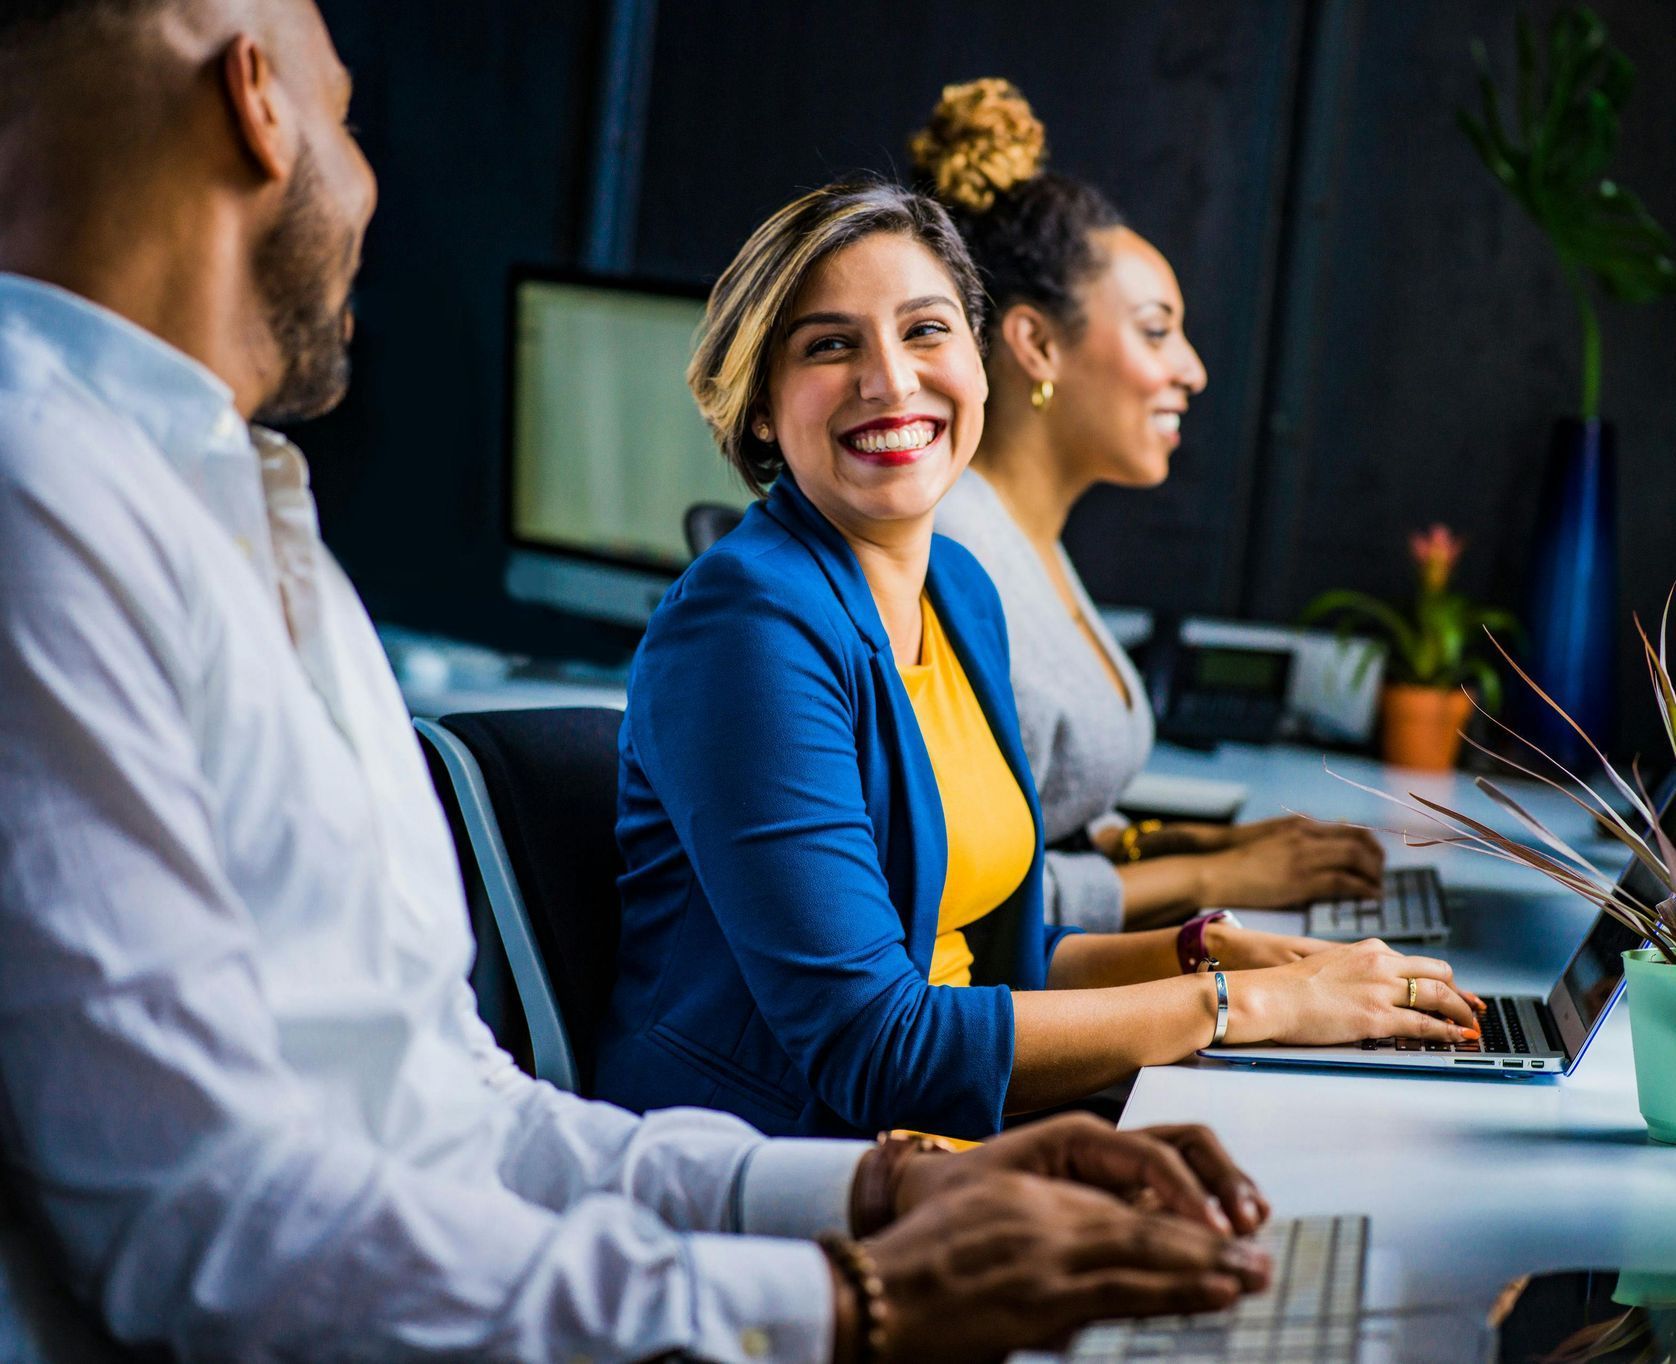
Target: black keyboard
{"x":1500,"y":1025}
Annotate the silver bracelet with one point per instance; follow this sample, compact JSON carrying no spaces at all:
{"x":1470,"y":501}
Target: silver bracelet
{"x":1221,"y":1007}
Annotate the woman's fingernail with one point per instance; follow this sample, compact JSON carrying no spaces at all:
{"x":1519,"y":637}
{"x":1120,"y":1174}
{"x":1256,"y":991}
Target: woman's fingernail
{"x":1249,"y":1211}
{"x":1218,"y":1218}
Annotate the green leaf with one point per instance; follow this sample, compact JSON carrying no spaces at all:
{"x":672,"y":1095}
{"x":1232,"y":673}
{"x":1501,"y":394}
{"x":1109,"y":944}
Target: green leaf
{"x":1567,"y":105}
{"x":1351,"y":606}
{"x":1488,"y":680}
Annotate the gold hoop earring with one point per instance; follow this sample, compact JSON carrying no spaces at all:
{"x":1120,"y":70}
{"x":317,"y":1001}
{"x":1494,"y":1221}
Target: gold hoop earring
{"x":1041,"y":395}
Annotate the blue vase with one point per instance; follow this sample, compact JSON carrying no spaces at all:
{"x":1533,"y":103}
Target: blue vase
{"x":1571,"y":610}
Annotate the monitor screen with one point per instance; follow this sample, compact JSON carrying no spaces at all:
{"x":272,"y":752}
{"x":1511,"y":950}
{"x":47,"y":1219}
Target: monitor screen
{"x":607,"y":447}
{"x":1596,"y":969}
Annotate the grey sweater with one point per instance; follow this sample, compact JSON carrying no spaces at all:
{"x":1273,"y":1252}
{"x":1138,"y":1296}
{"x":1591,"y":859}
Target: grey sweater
{"x":1083,"y":743}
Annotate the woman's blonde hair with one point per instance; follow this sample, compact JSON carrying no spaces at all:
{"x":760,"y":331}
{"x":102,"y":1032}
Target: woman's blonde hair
{"x":747,"y":310}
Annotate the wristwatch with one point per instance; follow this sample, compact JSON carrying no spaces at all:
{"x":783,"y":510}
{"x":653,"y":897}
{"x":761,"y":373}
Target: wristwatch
{"x":1190,"y":941}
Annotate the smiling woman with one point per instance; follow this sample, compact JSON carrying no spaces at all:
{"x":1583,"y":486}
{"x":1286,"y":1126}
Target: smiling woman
{"x":832,"y":904}
{"x":1091,"y":375}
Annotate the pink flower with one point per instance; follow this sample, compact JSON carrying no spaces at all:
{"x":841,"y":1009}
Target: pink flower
{"x":1435,"y":552}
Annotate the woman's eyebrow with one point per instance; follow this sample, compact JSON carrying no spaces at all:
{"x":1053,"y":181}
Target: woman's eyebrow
{"x":1153,"y":303}
{"x":821,"y":320}
{"x":913,"y":305}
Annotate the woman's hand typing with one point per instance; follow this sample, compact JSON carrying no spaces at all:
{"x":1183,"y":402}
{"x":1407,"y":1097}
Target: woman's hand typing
{"x":1246,"y":949}
{"x":1348,"y":993}
{"x":1297,"y":861}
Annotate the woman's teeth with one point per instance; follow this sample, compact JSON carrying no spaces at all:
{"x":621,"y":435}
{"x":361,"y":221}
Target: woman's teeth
{"x":1167,"y":422}
{"x":915,"y":436}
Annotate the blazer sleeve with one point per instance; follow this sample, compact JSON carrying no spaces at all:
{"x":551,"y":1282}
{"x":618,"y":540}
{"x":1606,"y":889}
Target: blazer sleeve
{"x":743,"y":717}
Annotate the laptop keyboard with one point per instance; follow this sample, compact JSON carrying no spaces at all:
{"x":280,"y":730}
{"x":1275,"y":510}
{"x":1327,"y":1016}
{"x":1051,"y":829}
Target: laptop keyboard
{"x":1412,"y":907}
{"x":1308,"y":1314}
{"x":1503,"y":1033}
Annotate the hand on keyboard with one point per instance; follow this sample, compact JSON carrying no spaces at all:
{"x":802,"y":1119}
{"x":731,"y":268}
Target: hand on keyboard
{"x":1300,"y":860}
{"x":1018,"y":1261}
{"x":1349,"y":993}
{"x":1245,"y":949}
{"x":1182,"y":1169}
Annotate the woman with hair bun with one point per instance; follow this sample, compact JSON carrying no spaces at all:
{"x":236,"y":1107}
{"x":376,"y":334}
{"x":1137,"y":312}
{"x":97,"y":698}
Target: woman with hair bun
{"x":1090,"y":376}
{"x":832,"y":898}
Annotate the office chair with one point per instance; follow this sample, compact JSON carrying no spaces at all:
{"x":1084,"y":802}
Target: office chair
{"x":40,"y":1322}
{"x":534,"y":794}
{"x":706,"y":522}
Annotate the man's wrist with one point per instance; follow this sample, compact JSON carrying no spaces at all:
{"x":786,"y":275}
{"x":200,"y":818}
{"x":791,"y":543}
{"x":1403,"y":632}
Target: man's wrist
{"x":885,"y":1174}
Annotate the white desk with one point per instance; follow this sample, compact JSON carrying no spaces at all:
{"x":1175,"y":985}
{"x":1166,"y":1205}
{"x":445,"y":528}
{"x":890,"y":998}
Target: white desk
{"x":1468,"y":1182}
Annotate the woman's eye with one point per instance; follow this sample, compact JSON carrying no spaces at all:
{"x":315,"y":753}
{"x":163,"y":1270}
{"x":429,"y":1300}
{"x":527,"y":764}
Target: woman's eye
{"x":1156,"y":335}
{"x":921,"y":330}
{"x":825,"y":345}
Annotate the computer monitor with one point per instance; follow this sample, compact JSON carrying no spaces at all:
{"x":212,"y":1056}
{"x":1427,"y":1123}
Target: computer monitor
{"x":605,"y":447}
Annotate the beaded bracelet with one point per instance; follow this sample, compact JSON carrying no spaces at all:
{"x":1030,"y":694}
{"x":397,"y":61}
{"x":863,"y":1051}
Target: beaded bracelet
{"x":851,"y":1260}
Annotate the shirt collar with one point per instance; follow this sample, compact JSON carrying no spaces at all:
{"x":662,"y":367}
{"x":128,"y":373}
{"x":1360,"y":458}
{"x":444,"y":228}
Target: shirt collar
{"x":185,"y":409}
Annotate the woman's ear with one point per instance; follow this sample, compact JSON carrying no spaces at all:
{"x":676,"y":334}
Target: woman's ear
{"x":1032,"y":339}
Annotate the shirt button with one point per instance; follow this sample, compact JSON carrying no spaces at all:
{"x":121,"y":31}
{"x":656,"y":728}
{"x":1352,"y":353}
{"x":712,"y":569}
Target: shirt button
{"x":754,"y":1341}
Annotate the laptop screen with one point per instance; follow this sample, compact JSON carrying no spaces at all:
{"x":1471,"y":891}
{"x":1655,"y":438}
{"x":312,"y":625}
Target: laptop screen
{"x":1596,"y":969}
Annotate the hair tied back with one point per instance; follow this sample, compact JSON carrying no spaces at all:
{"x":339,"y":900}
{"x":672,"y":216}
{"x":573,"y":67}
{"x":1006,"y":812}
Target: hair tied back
{"x":982,"y":140}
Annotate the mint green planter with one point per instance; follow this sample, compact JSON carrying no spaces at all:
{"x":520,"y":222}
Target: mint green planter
{"x":1651,"y":985}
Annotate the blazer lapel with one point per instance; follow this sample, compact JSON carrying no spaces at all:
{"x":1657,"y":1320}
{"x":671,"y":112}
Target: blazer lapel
{"x":914,"y":847}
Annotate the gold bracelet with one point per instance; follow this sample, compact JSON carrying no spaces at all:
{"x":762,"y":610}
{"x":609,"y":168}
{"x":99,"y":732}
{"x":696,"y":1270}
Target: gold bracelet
{"x":1129,"y":842}
{"x":858,"y":1269}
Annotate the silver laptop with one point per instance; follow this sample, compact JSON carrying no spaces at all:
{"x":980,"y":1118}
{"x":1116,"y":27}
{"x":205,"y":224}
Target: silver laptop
{"x":1523,"y":1034}
{"x":1412,"y":909}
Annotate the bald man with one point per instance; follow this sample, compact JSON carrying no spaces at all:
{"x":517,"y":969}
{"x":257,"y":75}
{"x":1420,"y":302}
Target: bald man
{"x":243,"y":1086}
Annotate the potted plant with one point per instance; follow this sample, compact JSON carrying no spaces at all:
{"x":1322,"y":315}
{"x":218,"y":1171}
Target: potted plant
{"x":1650,"y":972}
{"x":1433,"y":651}
{"x":1552,"y":153}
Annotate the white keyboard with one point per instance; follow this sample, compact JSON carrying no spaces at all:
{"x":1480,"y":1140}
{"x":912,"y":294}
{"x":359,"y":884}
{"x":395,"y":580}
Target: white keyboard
{"x":1411,"y":910}
{"x":1309,"y":1314}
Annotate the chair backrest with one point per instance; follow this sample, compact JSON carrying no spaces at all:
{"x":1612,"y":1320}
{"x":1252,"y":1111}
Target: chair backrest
{"x":538,"y":798}
{"x":706,"y":522}
{"x":40,"y":1323}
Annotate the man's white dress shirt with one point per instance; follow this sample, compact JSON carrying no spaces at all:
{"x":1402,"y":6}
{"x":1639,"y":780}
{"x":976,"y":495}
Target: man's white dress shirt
{"x":242,"y":1078}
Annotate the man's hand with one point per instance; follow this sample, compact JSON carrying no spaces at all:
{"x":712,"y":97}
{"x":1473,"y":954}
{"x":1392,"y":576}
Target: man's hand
{"x":1183,"y":1170}
{"x":1013,"y":1261}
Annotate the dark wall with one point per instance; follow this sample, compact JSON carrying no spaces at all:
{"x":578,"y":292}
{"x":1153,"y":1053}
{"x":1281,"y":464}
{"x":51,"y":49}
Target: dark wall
{"x":1387,"y":337}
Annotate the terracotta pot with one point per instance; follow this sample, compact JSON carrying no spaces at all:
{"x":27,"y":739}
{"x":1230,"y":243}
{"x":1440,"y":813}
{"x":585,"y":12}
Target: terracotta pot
{"x":1421,"y":726}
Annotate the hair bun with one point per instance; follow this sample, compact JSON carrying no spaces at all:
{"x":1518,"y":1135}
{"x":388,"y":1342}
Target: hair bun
{"x":982,"y":140}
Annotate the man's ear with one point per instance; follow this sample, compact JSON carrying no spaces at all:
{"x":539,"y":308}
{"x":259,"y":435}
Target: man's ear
{"x":1032,"y":338}
{"x":261,"y":112}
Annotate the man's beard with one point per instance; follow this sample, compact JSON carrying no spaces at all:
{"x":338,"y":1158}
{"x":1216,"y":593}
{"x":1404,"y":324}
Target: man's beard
{"x":300,"y":266}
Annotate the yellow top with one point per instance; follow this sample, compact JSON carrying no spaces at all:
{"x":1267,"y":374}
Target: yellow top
{"x":990,"y":834}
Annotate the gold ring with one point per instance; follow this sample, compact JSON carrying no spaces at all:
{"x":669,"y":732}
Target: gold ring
{"x":1413,"y":991}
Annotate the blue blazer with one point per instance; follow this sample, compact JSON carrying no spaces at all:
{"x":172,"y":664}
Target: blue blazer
{"x":786,"y":852}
